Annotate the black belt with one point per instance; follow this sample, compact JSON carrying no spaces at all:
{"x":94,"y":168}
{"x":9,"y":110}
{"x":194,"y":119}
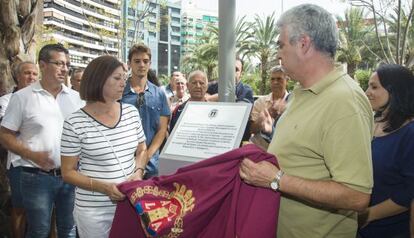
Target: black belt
{"x":53,"y":172}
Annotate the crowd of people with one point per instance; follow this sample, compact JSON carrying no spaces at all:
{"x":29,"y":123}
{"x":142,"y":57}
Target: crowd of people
{"x":346,"y":157}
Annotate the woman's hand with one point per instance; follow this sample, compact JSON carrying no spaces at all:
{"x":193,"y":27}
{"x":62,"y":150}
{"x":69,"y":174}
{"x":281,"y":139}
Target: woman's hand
{"x":113,"y":192}
{"x":138,"y":175}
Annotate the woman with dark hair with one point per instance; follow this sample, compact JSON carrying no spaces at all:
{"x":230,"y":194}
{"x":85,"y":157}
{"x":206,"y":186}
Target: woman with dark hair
{"x":391,"y":94}
{"x":103,"y":144}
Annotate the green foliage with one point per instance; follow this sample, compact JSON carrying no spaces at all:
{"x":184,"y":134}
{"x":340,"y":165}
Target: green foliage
{"x":291,"y":85}
{"x":392,"y":22}
{"x":163,"y":79}
{"x":263,"y":46}
{"x":352,"y":33}
{"x":253,"y":80}
{"x":362,"y":76}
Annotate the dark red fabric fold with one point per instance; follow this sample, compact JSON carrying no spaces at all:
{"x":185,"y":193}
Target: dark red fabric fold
{"x":218,"y":205}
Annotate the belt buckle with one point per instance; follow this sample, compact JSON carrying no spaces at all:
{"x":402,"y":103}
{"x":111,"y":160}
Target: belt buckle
{"x":53,"y":172}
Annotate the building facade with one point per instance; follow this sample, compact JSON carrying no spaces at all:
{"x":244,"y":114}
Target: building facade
{"x":160,"y":29}
{"x":194,"y":23}
{"x":89,"y":28}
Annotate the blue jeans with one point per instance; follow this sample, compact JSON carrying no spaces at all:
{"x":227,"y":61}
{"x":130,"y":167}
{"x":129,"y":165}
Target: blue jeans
{"x":14,"y":178}
{"x":41,"y":192}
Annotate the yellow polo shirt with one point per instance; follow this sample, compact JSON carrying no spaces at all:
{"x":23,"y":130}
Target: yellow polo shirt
{"x":324,"y":134}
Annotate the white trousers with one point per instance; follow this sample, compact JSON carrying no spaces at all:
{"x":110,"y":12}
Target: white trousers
{"x":93,"y":222}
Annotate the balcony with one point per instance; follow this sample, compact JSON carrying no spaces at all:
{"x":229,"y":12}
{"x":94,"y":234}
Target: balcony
{"x":102,"y":2}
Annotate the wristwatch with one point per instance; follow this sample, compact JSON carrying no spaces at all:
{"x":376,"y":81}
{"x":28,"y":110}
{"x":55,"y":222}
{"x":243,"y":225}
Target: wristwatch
{"x":275,"y":184}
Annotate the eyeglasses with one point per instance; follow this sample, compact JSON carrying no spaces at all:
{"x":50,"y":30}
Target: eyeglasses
{"x":140,"y":99}
{"x":59,"y":64}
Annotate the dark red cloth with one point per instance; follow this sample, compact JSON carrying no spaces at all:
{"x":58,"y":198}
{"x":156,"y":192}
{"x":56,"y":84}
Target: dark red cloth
{"x":223,"y":205}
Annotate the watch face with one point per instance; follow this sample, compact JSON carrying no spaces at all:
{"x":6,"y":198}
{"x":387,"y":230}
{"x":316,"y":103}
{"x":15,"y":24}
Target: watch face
{"x":274,"y":185}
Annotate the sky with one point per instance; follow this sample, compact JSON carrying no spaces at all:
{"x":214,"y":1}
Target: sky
{"x":266,"y":7}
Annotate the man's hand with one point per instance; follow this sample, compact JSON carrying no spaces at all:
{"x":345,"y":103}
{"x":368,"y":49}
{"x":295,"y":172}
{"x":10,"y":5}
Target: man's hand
{"x":258,"y":174}
{"x":265,"y":121}
{"x":41,"y":158}
{"x":277,"y":108}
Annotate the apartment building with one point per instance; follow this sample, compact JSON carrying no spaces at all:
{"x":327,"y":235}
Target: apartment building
{"x":88,"y":28}
{"x":194,"y":23}
{"x":160,"y":29}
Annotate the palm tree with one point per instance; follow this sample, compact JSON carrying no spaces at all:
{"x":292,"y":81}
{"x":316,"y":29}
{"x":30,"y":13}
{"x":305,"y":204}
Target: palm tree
{"x":204,"y":55}
{"x":392,"y":21}
{"x":263,"y":45}
{"x":352,"y":32}
{"x":405,"y":42}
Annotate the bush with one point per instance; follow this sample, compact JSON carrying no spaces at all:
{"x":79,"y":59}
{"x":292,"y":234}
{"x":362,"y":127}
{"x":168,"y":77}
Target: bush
{"x":362,"y":76}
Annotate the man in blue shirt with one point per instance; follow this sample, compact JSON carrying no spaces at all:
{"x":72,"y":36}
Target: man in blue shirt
{"x":151,"y":103}
{"x":244,"y":93}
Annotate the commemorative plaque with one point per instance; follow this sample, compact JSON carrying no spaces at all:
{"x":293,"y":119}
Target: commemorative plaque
{"x":204,"y":129}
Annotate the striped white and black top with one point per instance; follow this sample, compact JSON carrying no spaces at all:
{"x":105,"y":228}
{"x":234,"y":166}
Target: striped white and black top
{"x":81,"y":138}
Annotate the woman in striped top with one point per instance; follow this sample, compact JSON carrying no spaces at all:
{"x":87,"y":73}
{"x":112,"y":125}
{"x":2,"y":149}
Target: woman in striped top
{"x":103,"y":144}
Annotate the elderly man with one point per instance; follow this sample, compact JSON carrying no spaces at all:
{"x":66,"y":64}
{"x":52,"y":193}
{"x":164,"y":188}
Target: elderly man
{"x":181,"y":94}
{"x":197,"y":87}
{"x":31,"y":129}
{"x":170,"y":88}
{"x":24,"y":74}
{"x":322,"y":140}
{"x":273,"y":104}
{"x":151,"y":102}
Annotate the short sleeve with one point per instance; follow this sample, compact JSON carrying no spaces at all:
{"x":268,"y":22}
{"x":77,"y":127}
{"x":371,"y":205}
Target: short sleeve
{"x":3,"y":105}
{"x":13,"y":117}
{"x":165,"y":107}
{"x":70,"y":141}
{"x":347,"y":151}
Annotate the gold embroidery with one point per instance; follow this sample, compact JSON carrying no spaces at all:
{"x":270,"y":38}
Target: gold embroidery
{"x":183,"y":195}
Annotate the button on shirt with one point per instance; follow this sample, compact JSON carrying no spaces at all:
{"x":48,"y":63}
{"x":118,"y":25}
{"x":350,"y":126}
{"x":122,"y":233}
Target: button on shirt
{"x":38,"y":117}
{"x":155,"y":105}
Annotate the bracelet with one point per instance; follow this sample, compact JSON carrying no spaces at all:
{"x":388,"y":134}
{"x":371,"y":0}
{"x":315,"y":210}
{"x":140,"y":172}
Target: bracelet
{"x":143,"y":170}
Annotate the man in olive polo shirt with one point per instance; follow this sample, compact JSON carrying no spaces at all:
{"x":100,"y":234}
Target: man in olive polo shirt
{"x":323,"y":137}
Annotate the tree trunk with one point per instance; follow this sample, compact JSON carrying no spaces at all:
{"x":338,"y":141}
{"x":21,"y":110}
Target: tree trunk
{"x":17,"y":29}
{"x":351,"y":68}
{"x":263,"y":75}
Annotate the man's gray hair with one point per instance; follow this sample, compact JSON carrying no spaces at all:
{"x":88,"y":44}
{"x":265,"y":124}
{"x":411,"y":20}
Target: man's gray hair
{"x":314,"y":21}
{"x":195,"y":73}
{"x":17,"y":69}
{"x":276,"y":69}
